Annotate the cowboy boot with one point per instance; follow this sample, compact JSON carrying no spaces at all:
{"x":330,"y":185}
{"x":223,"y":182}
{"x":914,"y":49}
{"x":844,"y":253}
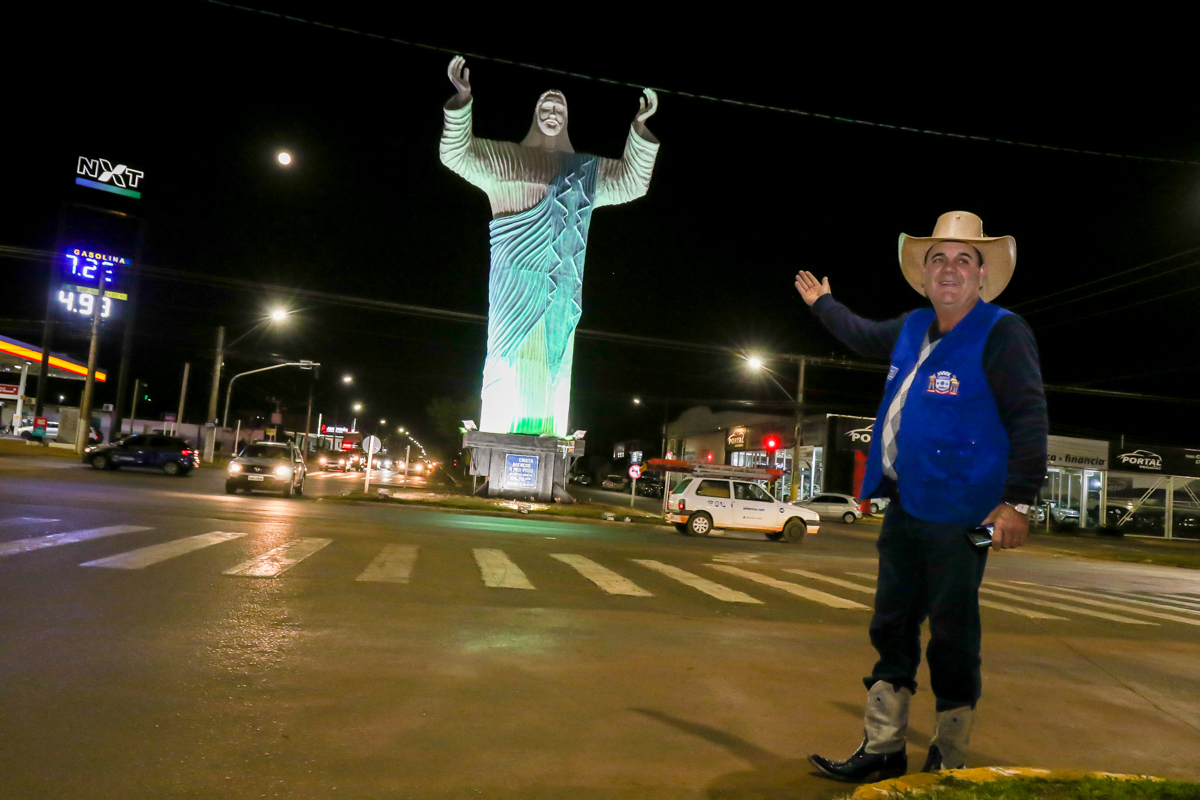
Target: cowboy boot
{"x":948,"y":750}
{"x":881,"y":755}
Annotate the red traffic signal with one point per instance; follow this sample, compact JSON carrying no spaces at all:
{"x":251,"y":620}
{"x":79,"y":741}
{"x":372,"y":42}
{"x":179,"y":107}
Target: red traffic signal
{"x":771,"y":444}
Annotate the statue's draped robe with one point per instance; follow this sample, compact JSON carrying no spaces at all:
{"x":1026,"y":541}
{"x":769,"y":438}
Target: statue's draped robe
{"x":542,"y":203}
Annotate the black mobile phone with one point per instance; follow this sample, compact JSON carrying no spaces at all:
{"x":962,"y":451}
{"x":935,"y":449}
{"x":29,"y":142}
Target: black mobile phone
{"x":981,"y":536}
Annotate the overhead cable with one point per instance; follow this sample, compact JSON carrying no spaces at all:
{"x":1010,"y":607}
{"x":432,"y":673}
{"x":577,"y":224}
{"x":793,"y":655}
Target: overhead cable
{"x":708,"y":97}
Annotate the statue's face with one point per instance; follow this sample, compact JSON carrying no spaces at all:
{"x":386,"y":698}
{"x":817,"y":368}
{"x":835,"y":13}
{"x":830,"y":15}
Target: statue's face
{"x":552,"y":114}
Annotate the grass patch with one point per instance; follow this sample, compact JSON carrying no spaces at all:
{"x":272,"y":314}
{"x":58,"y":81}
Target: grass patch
{"x":1090,"y":788}
{"x":18,"y":447}
{"x":488,"y":505}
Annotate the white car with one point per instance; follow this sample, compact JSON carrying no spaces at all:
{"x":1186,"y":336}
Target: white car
{"x":835,"y":506}
{"x":26,"y":431}
{"x":699,"y":504}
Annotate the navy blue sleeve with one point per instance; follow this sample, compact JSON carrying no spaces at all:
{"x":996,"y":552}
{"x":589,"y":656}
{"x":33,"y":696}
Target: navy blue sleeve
{"x":1010,"y":361}
{"x":863,"y":336}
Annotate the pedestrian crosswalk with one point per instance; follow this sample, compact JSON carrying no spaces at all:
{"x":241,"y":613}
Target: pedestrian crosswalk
{"x":747,"y":583}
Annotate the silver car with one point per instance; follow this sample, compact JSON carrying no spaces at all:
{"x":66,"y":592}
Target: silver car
{"x":268,"y":467}
{"x":834,"y":506}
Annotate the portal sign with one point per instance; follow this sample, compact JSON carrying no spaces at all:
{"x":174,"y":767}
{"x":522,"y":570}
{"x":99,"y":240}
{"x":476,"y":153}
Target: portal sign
{"x":520,"y":472}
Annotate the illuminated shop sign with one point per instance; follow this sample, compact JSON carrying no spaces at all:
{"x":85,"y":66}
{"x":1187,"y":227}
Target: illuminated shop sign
{"x":100,"y":173}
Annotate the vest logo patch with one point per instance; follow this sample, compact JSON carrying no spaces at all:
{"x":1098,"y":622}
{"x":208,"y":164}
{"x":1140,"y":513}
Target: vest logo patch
{"x":892,"y":372}
{"x":943,"y":383}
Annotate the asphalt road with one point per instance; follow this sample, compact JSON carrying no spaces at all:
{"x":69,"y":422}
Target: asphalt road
{"x":163,"y":639}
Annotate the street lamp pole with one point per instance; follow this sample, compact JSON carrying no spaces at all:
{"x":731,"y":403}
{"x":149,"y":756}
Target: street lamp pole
{"x":229,"y":391}
{"x":796,"y":468}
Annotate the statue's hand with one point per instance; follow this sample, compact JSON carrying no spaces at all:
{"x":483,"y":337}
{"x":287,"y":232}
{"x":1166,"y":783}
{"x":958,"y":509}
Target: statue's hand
{"x":460,"y":76}
{"x":647,"y":105}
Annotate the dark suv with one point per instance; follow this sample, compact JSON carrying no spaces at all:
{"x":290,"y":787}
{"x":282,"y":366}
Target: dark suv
{"x":171,"y":454}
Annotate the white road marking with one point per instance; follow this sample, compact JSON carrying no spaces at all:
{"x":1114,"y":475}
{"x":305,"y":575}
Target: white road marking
{"x":394,"y":564}
{"x":280,"y":559}
{"x":1024,"y":612}
{"x":868,"y":575}
{"x":145,"y":556}
{"x":71,"y":537}
{"x":605,"y":578}
{"x":824,"y":598}
{"x":499,"y":571}
{"x":1181,"y":602}
{"x":710,"y":588}
{"x":1063,"y":607}
{"x":24,"y":521}
{"x":1112,"y":595}
{"x":1103,"y":604}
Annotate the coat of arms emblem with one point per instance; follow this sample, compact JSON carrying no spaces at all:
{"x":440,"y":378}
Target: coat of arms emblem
{"x":943,"y":383}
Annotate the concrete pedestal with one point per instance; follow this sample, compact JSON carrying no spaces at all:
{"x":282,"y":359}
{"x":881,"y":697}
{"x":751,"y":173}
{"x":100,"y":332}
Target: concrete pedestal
{"x":523,"y":466}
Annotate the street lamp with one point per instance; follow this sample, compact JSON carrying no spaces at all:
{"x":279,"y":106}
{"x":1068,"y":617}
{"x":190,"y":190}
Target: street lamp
{"x":278,"y":314}
{"x":754,"y":363}
{"x":358,"y":406}
{"x":637,"y":401}
{"x":347,"y":379}
{"x":284,"y":158}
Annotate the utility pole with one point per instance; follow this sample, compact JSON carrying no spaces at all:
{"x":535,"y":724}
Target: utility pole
{"x":182,"y":396}
{"x":39,"y":402}
{"x":797,"y":471}
{"x":89,"y":383}
{"x":127,"y":338}
{"x":133,"y":408}
{"x":214,"y":393}
{"x":312,"y":381}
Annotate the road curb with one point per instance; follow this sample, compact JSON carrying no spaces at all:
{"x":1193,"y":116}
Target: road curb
{"x":489,"y":513}
{"x":926,"y":782}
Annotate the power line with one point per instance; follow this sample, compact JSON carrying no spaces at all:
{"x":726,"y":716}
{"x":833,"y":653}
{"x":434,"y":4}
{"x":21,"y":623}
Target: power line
{"x":708,"y":97}
{"x":164,"y":273}
{"x":1079,"y":286}
{"x":1111,"y":289}
{"x":1073,"y":320}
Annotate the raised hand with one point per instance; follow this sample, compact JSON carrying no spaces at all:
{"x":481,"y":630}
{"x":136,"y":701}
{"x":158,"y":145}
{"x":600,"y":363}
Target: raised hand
{"x":809,"y":287}
{"x":647,"y":105}
{"x":460,"y":75}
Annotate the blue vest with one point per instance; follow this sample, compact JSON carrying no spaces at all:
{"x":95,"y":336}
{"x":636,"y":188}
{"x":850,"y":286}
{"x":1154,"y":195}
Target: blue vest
{"x":952,"y":450}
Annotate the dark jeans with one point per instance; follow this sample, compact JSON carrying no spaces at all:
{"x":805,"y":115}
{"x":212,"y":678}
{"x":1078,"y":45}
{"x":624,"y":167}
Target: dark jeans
{"x":928,"y":570}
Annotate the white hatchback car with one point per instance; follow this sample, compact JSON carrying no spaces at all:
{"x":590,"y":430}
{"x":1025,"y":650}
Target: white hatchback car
{"x":835,"y":506}
{"x":699,"y":504}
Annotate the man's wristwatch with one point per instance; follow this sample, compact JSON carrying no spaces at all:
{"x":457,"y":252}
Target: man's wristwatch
{"x":1021,"y":508}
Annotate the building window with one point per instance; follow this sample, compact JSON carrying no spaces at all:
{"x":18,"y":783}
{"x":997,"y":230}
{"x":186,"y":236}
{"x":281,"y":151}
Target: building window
{"x":619,"y":450}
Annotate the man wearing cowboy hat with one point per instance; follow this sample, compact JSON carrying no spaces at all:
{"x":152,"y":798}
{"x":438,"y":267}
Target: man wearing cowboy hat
{"x":971,"y":451}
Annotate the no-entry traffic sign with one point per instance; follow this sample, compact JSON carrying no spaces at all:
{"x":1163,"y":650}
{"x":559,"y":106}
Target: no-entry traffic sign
{"x":635,"y":471}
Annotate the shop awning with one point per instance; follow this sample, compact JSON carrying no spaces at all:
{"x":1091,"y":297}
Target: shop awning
{"x":14,"y":354}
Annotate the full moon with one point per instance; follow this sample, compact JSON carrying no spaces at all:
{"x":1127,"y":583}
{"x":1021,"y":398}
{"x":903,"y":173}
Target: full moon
{"x":284,"y":157}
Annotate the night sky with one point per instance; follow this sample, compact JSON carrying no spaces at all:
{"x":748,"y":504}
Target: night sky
{"x":202,"y":96}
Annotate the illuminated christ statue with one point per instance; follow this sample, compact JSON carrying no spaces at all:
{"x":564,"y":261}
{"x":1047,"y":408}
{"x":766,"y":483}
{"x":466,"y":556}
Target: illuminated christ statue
{"x":542,"y":194}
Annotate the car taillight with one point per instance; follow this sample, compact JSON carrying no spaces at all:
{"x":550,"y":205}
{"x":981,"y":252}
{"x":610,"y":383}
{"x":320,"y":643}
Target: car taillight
{"x":682,"y":505}
{"x":186,"y":452}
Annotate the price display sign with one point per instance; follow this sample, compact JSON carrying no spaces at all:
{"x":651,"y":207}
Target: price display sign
{"x":91,"y":282}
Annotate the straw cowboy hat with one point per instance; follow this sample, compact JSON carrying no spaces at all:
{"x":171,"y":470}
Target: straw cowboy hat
{"x":999,"y":252}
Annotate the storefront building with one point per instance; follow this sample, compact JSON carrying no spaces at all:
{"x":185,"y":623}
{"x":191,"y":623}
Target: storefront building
{"x":1140,"y":489}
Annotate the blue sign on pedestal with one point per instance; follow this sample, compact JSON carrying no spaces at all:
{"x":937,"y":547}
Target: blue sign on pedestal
{"x":520,"y":472}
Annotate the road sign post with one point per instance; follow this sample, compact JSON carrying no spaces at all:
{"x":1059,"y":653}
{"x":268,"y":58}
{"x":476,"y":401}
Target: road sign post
{"x":371,"y":445}
{"x":635,"y":472}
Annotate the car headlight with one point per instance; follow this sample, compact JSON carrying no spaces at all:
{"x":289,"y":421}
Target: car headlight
{"x":234,"y":466}
{"x":321,"y":460}
{"x":282,"y":471}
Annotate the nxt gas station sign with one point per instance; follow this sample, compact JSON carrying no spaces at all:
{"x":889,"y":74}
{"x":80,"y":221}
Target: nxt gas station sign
{"x":102,"y":174}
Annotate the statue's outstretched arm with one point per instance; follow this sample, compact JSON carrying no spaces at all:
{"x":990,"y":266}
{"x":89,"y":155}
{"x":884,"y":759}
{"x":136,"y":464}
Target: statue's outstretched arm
{"x":459,"y":149}
{"x":628,"y":178}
